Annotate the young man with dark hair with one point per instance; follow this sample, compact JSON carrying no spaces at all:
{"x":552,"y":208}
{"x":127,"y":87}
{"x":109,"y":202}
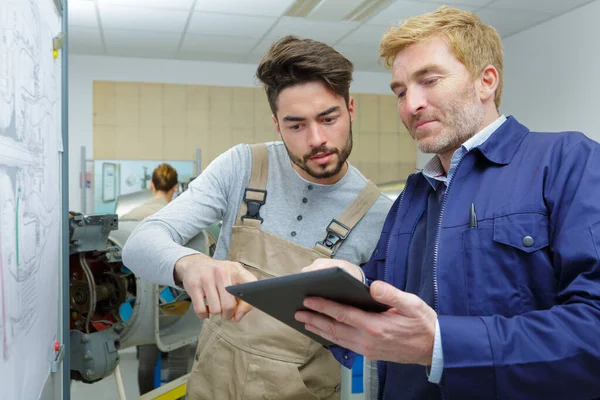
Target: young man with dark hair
{"x":283,"y":204}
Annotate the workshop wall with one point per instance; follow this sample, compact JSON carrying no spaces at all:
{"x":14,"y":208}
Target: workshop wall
{"x":170,"y":121}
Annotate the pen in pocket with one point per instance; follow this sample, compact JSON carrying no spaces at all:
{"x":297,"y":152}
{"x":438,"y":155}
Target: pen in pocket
{"x":472,"y":217}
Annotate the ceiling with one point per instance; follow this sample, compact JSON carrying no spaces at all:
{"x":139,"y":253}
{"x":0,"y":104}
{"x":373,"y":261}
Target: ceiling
{"x":241,"y":31}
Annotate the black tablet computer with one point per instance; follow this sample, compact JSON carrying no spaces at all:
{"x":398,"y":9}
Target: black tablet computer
{"x":281,"y":297}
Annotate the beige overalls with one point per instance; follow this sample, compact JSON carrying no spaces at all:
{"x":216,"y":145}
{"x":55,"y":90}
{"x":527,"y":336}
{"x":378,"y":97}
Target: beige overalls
{"x":260,"y":357}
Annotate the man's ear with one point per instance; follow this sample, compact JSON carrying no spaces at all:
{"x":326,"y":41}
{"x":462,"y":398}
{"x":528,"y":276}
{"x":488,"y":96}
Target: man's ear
{"x":351,"y":108}
{"x":152,"y":188}
{"x":276,"y":122}
{"x":488,"y":83}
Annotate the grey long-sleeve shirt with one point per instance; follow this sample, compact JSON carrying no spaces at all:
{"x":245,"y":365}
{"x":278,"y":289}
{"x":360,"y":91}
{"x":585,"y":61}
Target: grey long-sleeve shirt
{"x":296,"y":210}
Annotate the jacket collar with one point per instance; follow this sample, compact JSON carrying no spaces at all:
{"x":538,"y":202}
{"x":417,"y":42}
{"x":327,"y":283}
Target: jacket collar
{"x":501,"y":146}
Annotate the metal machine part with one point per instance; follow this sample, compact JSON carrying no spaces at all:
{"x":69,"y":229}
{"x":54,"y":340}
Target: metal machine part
{"x":98,"y":286}
{"x":90,"y":232}
{"x":111,"y":308}
{"x":94,"y":355}
{"x":127,"y":202}
{"x":150,"y":320}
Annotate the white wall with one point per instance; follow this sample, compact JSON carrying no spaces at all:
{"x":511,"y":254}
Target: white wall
{"x":551,"y":73}
{"x":83,"y":70}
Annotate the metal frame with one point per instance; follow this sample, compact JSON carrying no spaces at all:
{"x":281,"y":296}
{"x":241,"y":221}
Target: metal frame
{"x":66,"y":364}
{"x":83,"y":179}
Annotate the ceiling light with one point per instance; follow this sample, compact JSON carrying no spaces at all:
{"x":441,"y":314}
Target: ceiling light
{"x":366,"y":9}
{"x":301,"y":8}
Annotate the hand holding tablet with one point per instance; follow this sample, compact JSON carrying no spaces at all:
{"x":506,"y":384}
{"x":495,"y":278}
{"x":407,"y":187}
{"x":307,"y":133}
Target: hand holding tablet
{"x":281,"y":297}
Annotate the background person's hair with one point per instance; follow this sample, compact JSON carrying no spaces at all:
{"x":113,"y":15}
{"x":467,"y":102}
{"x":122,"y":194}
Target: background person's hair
{"x":294,"y":61}
{"x":164,"y":177}
{"x":473,"y":43}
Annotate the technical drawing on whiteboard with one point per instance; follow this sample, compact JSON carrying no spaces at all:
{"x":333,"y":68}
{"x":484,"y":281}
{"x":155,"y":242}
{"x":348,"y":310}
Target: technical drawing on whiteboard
{"x":30,"y":132}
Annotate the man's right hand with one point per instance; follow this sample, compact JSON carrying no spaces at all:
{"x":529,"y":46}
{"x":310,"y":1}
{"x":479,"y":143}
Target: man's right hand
{"x":324,"y":263}
{"x":204,"y":277}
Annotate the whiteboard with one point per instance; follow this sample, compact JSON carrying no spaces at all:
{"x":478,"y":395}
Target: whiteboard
{"x":30,"y":195}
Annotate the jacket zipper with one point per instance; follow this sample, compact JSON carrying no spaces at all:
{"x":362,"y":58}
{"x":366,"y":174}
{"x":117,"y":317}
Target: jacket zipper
{"x":437,"y":244}
{"x":435,"y":262}
{"x":437,"y":239}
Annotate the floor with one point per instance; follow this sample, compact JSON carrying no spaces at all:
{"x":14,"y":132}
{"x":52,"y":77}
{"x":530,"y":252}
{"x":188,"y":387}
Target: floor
{"x":106,"y":389}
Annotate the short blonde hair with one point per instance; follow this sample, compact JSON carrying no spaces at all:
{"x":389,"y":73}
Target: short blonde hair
{"x":473,"y":43}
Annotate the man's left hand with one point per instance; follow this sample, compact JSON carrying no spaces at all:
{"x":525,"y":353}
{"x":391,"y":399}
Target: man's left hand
{"x":403,"y":334}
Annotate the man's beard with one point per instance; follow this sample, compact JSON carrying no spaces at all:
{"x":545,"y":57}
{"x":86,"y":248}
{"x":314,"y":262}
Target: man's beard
{"x":322,"y":171}
{"x":460,"y":122}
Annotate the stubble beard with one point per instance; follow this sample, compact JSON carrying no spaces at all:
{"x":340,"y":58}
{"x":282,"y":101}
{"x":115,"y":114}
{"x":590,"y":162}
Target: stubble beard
{"x":324,"y":171}
{"x":460,"y":122}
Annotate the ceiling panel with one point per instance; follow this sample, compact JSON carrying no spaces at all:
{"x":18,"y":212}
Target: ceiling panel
{"x":212,"y":56}
{"x":273,"y":8}
{"x":333,"y":10}
{"x":364,"y":58}
{"x":253,"y":58}
{"x":221,"y":24}
{"x":228,"y":30}
{"x":141,"y":44}
{"x":183,"y":5}
{"x":509,"y":22}
{"x":366,"y":35}
{"x":85,"y":40}
{"x":464,"y":4}
{"x":550,"y":6}
{"x":139,"y":18}
{"x":328,"y":32}
{"x":400,"y":10}
{"x":217,"y":44}
{"x":83,"y":14}
{"x":260,"y":50}
{"x":114,"y":37}
{"x":123,"y":50}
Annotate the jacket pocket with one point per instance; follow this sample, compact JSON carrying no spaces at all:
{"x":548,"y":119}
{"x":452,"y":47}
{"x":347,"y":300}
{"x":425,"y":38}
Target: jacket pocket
{"x":508,"y":268}
{"x":527,"y":232}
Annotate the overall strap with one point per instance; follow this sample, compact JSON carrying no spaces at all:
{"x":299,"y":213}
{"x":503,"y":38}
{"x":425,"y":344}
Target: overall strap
{"x":339,"y":228}
{"x":255,"y":194}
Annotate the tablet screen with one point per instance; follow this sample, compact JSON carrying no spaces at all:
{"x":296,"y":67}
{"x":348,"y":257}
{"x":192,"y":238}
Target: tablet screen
{"x":281,"y":297}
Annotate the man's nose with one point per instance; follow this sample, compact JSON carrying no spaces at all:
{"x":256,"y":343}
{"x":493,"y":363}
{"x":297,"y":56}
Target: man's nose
{"x":414,"y":101}
{"x":316,"y":137}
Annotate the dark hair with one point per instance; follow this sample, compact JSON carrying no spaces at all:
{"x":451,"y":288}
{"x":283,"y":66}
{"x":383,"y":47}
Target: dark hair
{"x":164,"y":177}
{"x":294,"y":61}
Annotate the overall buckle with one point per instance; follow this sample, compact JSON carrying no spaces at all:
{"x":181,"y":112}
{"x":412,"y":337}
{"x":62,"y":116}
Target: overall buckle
{"x":336,"y":231}
{"x":254,"y":199}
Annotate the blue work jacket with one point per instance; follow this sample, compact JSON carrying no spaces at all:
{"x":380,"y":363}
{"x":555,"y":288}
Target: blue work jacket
{"x":517,"y":296}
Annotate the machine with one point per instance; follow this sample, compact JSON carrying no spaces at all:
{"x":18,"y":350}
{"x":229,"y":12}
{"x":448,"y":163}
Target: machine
{"x":111,"y":308}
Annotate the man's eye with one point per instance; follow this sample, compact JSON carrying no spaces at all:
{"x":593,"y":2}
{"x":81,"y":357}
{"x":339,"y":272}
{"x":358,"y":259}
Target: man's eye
{"x":430,"y":81}
{"x":294,"y":127}
{"x":329,"y":120}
